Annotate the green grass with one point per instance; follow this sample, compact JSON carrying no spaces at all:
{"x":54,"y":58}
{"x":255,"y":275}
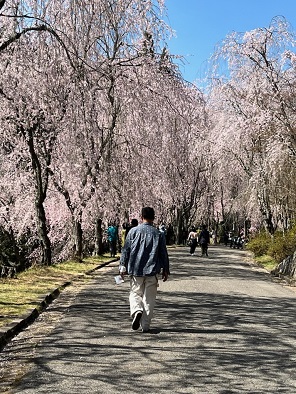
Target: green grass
{"x":266,"y":262}
{"x":23,"y":293}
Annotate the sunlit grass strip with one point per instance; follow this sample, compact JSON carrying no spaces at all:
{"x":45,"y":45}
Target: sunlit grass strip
{"x":21,"y":294}
{"x":266,"y":261}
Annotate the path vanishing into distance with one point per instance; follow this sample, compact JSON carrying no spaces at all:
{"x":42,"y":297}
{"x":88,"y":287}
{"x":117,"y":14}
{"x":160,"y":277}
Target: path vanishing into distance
{"x":222,"y":325}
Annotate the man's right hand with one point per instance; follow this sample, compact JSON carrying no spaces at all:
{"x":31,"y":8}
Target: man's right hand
{"x":122,"y":271}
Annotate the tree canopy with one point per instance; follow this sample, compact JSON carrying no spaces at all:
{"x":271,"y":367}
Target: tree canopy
{"x":96,"y":121}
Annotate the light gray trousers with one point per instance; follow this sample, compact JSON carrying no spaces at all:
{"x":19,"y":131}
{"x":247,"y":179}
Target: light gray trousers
{"x":142,"y":297}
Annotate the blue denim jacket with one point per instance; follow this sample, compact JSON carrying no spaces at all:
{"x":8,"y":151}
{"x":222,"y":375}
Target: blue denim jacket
{"x":144,"y":252}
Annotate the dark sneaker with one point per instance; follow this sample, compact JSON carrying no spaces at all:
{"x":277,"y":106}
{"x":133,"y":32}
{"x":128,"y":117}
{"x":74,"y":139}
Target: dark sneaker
{"x":136,"y":321}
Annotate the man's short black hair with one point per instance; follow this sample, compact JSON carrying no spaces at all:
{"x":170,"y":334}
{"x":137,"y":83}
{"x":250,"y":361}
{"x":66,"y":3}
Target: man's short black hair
{"x":148,"y":213}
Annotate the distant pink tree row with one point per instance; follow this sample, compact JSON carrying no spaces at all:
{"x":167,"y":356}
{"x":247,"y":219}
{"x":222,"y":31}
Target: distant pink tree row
{"x":253,"y":117}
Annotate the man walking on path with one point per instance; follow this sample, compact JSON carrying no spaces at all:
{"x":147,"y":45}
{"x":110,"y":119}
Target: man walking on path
{"x":143,"y":257}
{"x":204,"y":240}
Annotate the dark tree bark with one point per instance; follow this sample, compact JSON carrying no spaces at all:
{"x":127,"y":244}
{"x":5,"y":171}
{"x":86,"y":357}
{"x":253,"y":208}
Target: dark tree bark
{"x":77,"y":238}
{"x":99,"y":238}
{"x":40,"y":189}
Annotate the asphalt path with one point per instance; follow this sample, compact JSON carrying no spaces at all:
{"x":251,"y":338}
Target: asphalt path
{"x":221,"y":325}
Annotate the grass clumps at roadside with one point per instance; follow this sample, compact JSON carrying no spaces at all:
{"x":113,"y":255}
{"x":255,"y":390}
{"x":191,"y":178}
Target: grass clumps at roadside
{"x":269,"y":250}
{"x":266,"y":261}
{"x":23,"y":293}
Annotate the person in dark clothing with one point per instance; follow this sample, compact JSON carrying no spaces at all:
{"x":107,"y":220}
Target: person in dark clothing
{"x":184,"y":237}
{"x":204,"y":240}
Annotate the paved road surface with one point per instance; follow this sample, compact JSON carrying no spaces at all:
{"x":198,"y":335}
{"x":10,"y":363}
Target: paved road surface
{"x":221,"y":326}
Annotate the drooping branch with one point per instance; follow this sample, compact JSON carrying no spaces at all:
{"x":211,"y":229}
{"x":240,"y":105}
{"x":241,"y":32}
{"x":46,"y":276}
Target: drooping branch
{"x":2,"y":3}
{"x":40,"y":28}
{"x":18,"y":35}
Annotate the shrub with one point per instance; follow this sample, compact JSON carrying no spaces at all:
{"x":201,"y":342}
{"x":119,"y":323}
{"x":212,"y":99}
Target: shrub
{"x":260,"y":244}
{"x":13,"y":252}
{"x":283,"y":245}
{"x":280,"y":246}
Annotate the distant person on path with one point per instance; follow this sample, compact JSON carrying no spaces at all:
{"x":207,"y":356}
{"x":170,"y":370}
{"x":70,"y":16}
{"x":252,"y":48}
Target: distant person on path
{"x":214,"y":237}
{"x":192,"y":240}
{"x":204,"y":240}
{"x":112,"y":234}
{"x":133,"y":223}
{"x":143,"y":257}
{"x":225,"y":237}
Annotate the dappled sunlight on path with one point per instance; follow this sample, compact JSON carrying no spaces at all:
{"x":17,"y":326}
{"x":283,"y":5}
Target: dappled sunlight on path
{"x":219,"y":327}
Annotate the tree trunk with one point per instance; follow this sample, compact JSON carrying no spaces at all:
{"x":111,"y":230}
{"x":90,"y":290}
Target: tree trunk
{"x":266,"y":211}
{"x":77,"y":238}
{"x":42,"y":232}
{"x":179,"y":227}
{"x":182,"y":220}
{"x":40,"y":188}
{"x":99,"y":238}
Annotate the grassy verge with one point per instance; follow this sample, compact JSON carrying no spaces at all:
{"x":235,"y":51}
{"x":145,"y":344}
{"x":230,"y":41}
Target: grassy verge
{"x":21,"y":294}
{"x":266,"y":262}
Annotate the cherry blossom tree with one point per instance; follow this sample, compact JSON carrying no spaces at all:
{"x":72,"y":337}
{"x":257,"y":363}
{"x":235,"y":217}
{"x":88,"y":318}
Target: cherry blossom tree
{"x":256,"y":116}
{"x":99,"y":98}
{"x":32,"y":99}
{"x":32,"y":95}
{"x":98,"y":42}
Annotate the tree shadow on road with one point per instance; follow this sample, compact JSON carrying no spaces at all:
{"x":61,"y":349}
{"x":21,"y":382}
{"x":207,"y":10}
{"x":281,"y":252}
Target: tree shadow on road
{"x":201,"y":342}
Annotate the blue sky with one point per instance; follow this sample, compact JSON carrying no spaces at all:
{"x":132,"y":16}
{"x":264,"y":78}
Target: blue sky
{"x":201,"y":24}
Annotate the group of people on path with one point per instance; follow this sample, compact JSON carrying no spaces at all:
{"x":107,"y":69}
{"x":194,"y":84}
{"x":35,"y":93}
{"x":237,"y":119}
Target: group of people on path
{"x":201,"y":238}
